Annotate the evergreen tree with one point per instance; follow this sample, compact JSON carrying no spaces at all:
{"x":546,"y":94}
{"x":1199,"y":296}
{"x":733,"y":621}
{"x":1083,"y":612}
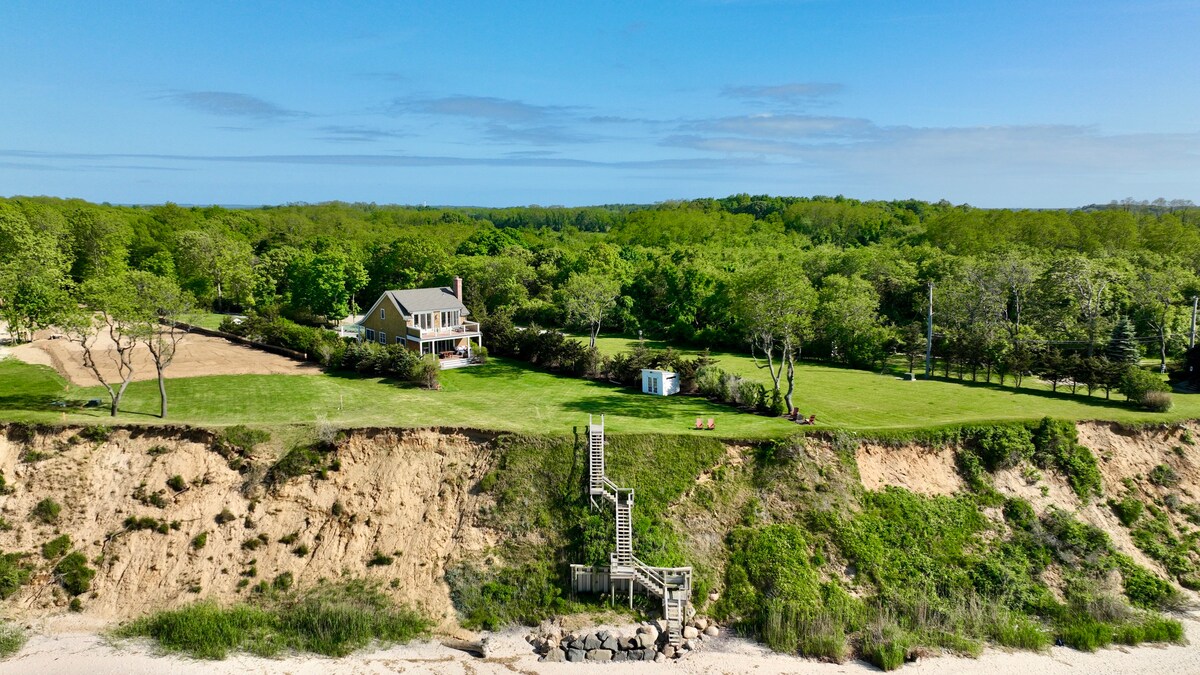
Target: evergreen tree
{"x":1122,"y":344}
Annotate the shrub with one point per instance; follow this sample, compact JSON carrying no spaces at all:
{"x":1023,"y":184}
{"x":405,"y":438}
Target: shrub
{"x":1128,"y":510}
{"x":74,"y":574}
{"x":480,"y":352}
{"x":14,"y":573}
{"x":97,"y":433}
{"x":238,"y":441}
{"x":380,"y":560}
{"x":1144,"y":589}
{"x":748,"y":393}
{"x":225,"y":516}
{"x":134,"y":524}
{"x":1056,"y":445}
{"x":46,"y":510}
{"x":300,"y":551}
{"x":1163,"y":475}
{"x":176,"y":483}
{"x":57,"y":547}
{"x":283,"y":582}
{"x":199,"y":541}
{"x":427,"y":372}
{"x":1136,"y":383}
{"x":301,"y":460}
{"x":1086,"y":634}
{"x":1157,"y":401}
{"x":1003,"y":446}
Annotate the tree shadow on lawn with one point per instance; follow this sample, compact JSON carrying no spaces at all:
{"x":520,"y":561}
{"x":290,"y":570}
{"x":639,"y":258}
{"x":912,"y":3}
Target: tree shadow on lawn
{"x":1083,"y":398}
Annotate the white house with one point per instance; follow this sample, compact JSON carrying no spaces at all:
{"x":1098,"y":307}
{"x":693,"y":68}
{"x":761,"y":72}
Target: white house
{"x":660,"y":382}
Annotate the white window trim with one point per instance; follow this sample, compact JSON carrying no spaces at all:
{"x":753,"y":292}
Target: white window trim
{"x":370,"y":335}
{"x":382,"y":338}
{"x":383,"y":313}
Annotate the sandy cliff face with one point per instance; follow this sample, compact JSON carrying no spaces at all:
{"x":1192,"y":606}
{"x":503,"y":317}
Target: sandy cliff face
{"x":404,"y":494}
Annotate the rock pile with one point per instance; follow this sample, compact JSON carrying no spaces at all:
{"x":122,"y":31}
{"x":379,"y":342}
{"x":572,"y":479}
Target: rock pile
{"x":648,"y":643}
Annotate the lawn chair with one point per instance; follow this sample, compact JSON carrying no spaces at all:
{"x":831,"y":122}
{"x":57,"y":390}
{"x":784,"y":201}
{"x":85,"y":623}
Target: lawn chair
{"x":812,"y":419}
{"x":711,"y":424}
{"x":699,"y":423}
{"x":794,"y":415}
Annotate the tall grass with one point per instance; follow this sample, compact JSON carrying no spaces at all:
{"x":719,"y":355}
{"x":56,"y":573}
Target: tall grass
{"x":12,"y":638}
{"x":332,"y":620}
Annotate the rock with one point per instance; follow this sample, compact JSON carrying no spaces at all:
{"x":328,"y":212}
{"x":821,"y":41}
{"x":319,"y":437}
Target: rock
{"x":592,"y":641}
{"x":538,"y":643}
{"x":644,"y":628}
{"x":691,"y":645}
{"x":661,"y":625}
{"x":714,"y":596}
{"x":712,"y":631}
{"x":659,"y":657}
{"x":620,"y":656}
{"x":554,"y":655}
{"x":600,"y":655}
{"x":649,"y":655}
{"x":668,"y":651}
{"x":603,"y":635}
{"x":646,"y":641}
{"x":631,"y":643}
{"x":610,"y":643}
{"x":576,"y":655}
{"x":578,"y":643}
{"x":690,"y":632}
{"x":700,"y":624}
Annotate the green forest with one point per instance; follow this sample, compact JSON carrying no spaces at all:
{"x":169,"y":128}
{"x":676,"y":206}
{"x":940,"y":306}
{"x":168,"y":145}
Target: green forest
{"x":1073,"y":297}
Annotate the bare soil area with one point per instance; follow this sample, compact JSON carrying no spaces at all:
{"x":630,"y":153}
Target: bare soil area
{"x":197,"y":355}
{"x":404,"y":495}
{"x":918,"y":468}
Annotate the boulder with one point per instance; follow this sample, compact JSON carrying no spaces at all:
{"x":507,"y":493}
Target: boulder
{"x":600,"y":655}
{"x":690,"y":632}
{"x":712,"y":631}
{"x":611,"y":643}
{"x":631,"y":643}
{"x":700,"y":623}
{"x":644,"y":628}
{"x":714,"y":596}
{"x":691,"y":645}
{"x":659,"y":657}
{"x":620,"y":656}
{"x":649,"y":654}
{"x":668,"y":651}
{"x":576,"y":655}
{"x":661,"y":625}
{"x":647,"y":641}
{"x":578,"y":643}
{"x":555,"y":655}
{"x":591,"y":641}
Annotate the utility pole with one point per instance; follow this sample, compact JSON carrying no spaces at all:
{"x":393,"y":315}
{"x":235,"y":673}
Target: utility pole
{"x":929,"y":336}
{"x":1192,"y":342}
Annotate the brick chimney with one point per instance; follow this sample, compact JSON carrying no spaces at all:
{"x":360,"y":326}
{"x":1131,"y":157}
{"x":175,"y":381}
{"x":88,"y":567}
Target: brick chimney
{"x":458,"y":288}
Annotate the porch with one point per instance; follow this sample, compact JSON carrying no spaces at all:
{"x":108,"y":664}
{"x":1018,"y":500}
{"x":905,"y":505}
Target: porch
{"x":455,"y":352}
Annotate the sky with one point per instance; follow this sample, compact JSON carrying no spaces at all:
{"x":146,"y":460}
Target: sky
{"x":997,"y":104}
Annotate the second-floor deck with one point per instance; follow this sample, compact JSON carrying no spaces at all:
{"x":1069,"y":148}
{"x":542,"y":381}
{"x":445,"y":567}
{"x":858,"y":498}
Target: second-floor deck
{"x":465,"y":329}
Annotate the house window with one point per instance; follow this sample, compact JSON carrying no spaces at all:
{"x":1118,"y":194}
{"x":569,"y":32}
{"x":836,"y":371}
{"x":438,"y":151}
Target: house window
{"x":382,"y":338}
{"x":425,"y":320}
{"x":399,"y":339}
{"x":450,"y":318}
{"x":382,"y":313}
{"x":370,"y":335}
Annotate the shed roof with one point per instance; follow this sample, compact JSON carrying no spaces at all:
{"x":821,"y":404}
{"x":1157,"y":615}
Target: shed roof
{"x":412,"y":300}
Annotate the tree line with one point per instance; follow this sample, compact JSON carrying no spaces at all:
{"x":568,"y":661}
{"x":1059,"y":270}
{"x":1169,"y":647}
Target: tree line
{"x":1015,"y":291}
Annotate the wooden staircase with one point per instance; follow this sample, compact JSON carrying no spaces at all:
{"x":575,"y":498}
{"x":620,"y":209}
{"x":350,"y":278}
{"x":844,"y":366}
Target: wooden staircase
{"x":673,"y":585}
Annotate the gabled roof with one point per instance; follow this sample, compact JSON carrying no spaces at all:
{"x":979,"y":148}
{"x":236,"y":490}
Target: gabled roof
{"x":412,"y":300}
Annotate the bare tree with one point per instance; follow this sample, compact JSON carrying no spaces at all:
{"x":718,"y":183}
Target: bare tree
{"x":161,"y":303}
{"x":108,"y":312}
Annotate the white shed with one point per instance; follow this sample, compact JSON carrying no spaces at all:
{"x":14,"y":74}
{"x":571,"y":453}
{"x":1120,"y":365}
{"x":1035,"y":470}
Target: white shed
{"x":660,"y":382}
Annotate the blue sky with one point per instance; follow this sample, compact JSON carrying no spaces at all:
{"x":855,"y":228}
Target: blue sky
{"x":1038,"y":104}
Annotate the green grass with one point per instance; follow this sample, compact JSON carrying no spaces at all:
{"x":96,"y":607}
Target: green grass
{"x":508,"y":395}
{"x":333,"y":620}
{"x":503,"y":395}
{"x":865,"y":401}
{"x":207,"y":320}
{"x":12,"y":638}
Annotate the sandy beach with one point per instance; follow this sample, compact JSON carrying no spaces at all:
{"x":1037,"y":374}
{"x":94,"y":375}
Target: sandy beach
{"x":88,"y":653}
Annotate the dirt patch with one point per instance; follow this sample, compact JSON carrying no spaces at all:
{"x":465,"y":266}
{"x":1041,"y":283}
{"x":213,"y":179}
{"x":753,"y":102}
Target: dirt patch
{"x":405,"y":495}
{"x":197,"y":355}
{"x":919,"y":468}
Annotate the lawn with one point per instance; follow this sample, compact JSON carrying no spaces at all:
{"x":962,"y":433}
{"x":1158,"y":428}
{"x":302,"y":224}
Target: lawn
{"x":510,"y":396}
{"x":502,"y":395}
{"x":207,"y":320}
{"x":861,"y":400}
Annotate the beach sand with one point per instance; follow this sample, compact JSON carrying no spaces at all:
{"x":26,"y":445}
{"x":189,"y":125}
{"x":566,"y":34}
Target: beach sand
{"x":87,"y":653}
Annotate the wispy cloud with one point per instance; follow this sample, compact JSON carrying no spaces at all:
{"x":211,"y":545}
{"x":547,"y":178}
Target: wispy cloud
{"x":790,"y":92}
{"x":787,"y":126}
{"x":479,"y":107}
{"x":340,"y":133}
{"x":231,"y":104}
